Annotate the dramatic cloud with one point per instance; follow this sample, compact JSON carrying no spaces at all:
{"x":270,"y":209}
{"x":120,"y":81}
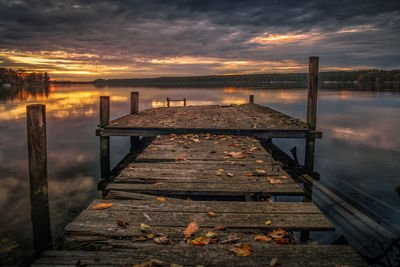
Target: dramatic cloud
{"x":92,"y":39}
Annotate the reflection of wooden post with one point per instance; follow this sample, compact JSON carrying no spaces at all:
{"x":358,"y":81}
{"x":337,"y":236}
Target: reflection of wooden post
{"x":311,"y":125}
{"x":104,"y":140}
{"x":134,"y":109}
{"x":37,"y":153}
{"x":184,"y":101}
{"x":251,"y":99}
{"x":167,"y":101}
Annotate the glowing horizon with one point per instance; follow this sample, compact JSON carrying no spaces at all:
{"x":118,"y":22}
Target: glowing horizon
{"x":86,"y":67}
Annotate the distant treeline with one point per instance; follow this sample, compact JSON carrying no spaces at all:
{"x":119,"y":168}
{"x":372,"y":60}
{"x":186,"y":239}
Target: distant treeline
{"x":21,"y":77}
{"x":361,"y":76}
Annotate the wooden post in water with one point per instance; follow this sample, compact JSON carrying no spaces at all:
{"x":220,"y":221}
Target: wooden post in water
{"x":39,"y":198}
{"x":311,"y":113}
{"x":184,"y":101}
{"x":167,"y":101}
{"x":311,"y":125}
{"x":104,"y":140}
{"x":135,"y":142}
{"x":251,"y":99}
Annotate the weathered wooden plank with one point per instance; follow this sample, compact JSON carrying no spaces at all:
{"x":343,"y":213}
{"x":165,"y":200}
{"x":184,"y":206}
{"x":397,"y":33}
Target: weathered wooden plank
{"x":209,"y":189}
{"x":217,"y":179}
{"x":292,"y":221}
{"x":210,"y":255}
{"x":151,"y":204}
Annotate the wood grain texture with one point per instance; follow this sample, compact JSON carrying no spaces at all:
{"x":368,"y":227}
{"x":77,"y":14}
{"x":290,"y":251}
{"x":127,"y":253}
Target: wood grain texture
{"x":247,"y":119}
{"x":203,"y":165}
{"x":210,"y":255}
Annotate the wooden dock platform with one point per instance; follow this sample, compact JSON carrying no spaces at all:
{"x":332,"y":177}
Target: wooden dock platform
{"x":203,"y":193}
{"x":247,"y":119}
{"x":197,"y":169}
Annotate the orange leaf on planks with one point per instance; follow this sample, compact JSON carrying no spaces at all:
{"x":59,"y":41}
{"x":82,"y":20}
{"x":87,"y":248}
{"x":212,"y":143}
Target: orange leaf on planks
{"x":191,"y":229}
{"x":242,"y":250}
{"x":102,"y":206}
{"x":262,"y":238}
{"x":201,"y":240}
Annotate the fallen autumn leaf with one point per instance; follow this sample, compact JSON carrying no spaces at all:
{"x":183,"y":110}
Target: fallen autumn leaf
{"x":102,"y":206}
{"x":191,"y":229}
{"x":242,"y":250}
{"x":262,"y":238}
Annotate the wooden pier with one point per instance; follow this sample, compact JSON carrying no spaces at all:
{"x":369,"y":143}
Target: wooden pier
{"x":204,"y":193}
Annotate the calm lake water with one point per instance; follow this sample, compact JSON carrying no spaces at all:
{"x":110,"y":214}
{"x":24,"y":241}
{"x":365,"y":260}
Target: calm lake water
{"x":357,"y":157}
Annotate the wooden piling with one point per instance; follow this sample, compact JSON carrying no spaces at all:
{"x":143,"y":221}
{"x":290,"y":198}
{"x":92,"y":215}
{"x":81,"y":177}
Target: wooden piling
{"x":167,"y":101}
{"x":184,"y":101}
{"x":134,"y":102}
{"x":39,"y":199}
{"x":251,"y":99}
{"x":311,"y":125}
{"x":104,"y":140}
{"x":135,"y":141}
{"x":311,"y":113}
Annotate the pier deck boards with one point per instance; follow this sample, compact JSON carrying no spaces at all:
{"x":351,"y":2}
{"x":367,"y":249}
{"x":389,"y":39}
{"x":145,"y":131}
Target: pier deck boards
{"x":210,"y":255}
{"x":205,"y":165}
{"x":187,"y":165}
{"x":246,"y":119}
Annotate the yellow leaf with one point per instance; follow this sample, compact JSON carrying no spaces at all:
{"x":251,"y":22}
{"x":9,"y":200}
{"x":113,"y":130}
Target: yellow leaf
{"x":201,"y":240}
{"x":262,"y":238}
{"x":144,"y":227}
{"x":273,"y":262}
{"x":160,"y":199}
{"x":102,"y":206}
{"x":243,"y":250}
{"x":154,"y":149}
{"x":211,"y":234}
{"x":260,"y":172}
{"x":189,"y":199}
{"x":150,"y":236}
{"x":192,"y":228}
{"x":278,"y":233}
{"x":268,"y":222}
{"x":211,"y":213}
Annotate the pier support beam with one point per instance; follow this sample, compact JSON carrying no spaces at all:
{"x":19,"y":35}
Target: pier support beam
{"x":39,"y":198}
{"x":135,"y":141}
{"x":251,"y":99}
{"x":104,"y":140}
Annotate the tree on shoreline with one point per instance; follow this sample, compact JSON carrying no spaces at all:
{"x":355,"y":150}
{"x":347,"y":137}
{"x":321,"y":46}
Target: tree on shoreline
{"x":22,"y":77}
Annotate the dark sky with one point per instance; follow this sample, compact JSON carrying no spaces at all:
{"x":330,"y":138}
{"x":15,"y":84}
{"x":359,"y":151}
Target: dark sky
{"x":91,"y":39}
